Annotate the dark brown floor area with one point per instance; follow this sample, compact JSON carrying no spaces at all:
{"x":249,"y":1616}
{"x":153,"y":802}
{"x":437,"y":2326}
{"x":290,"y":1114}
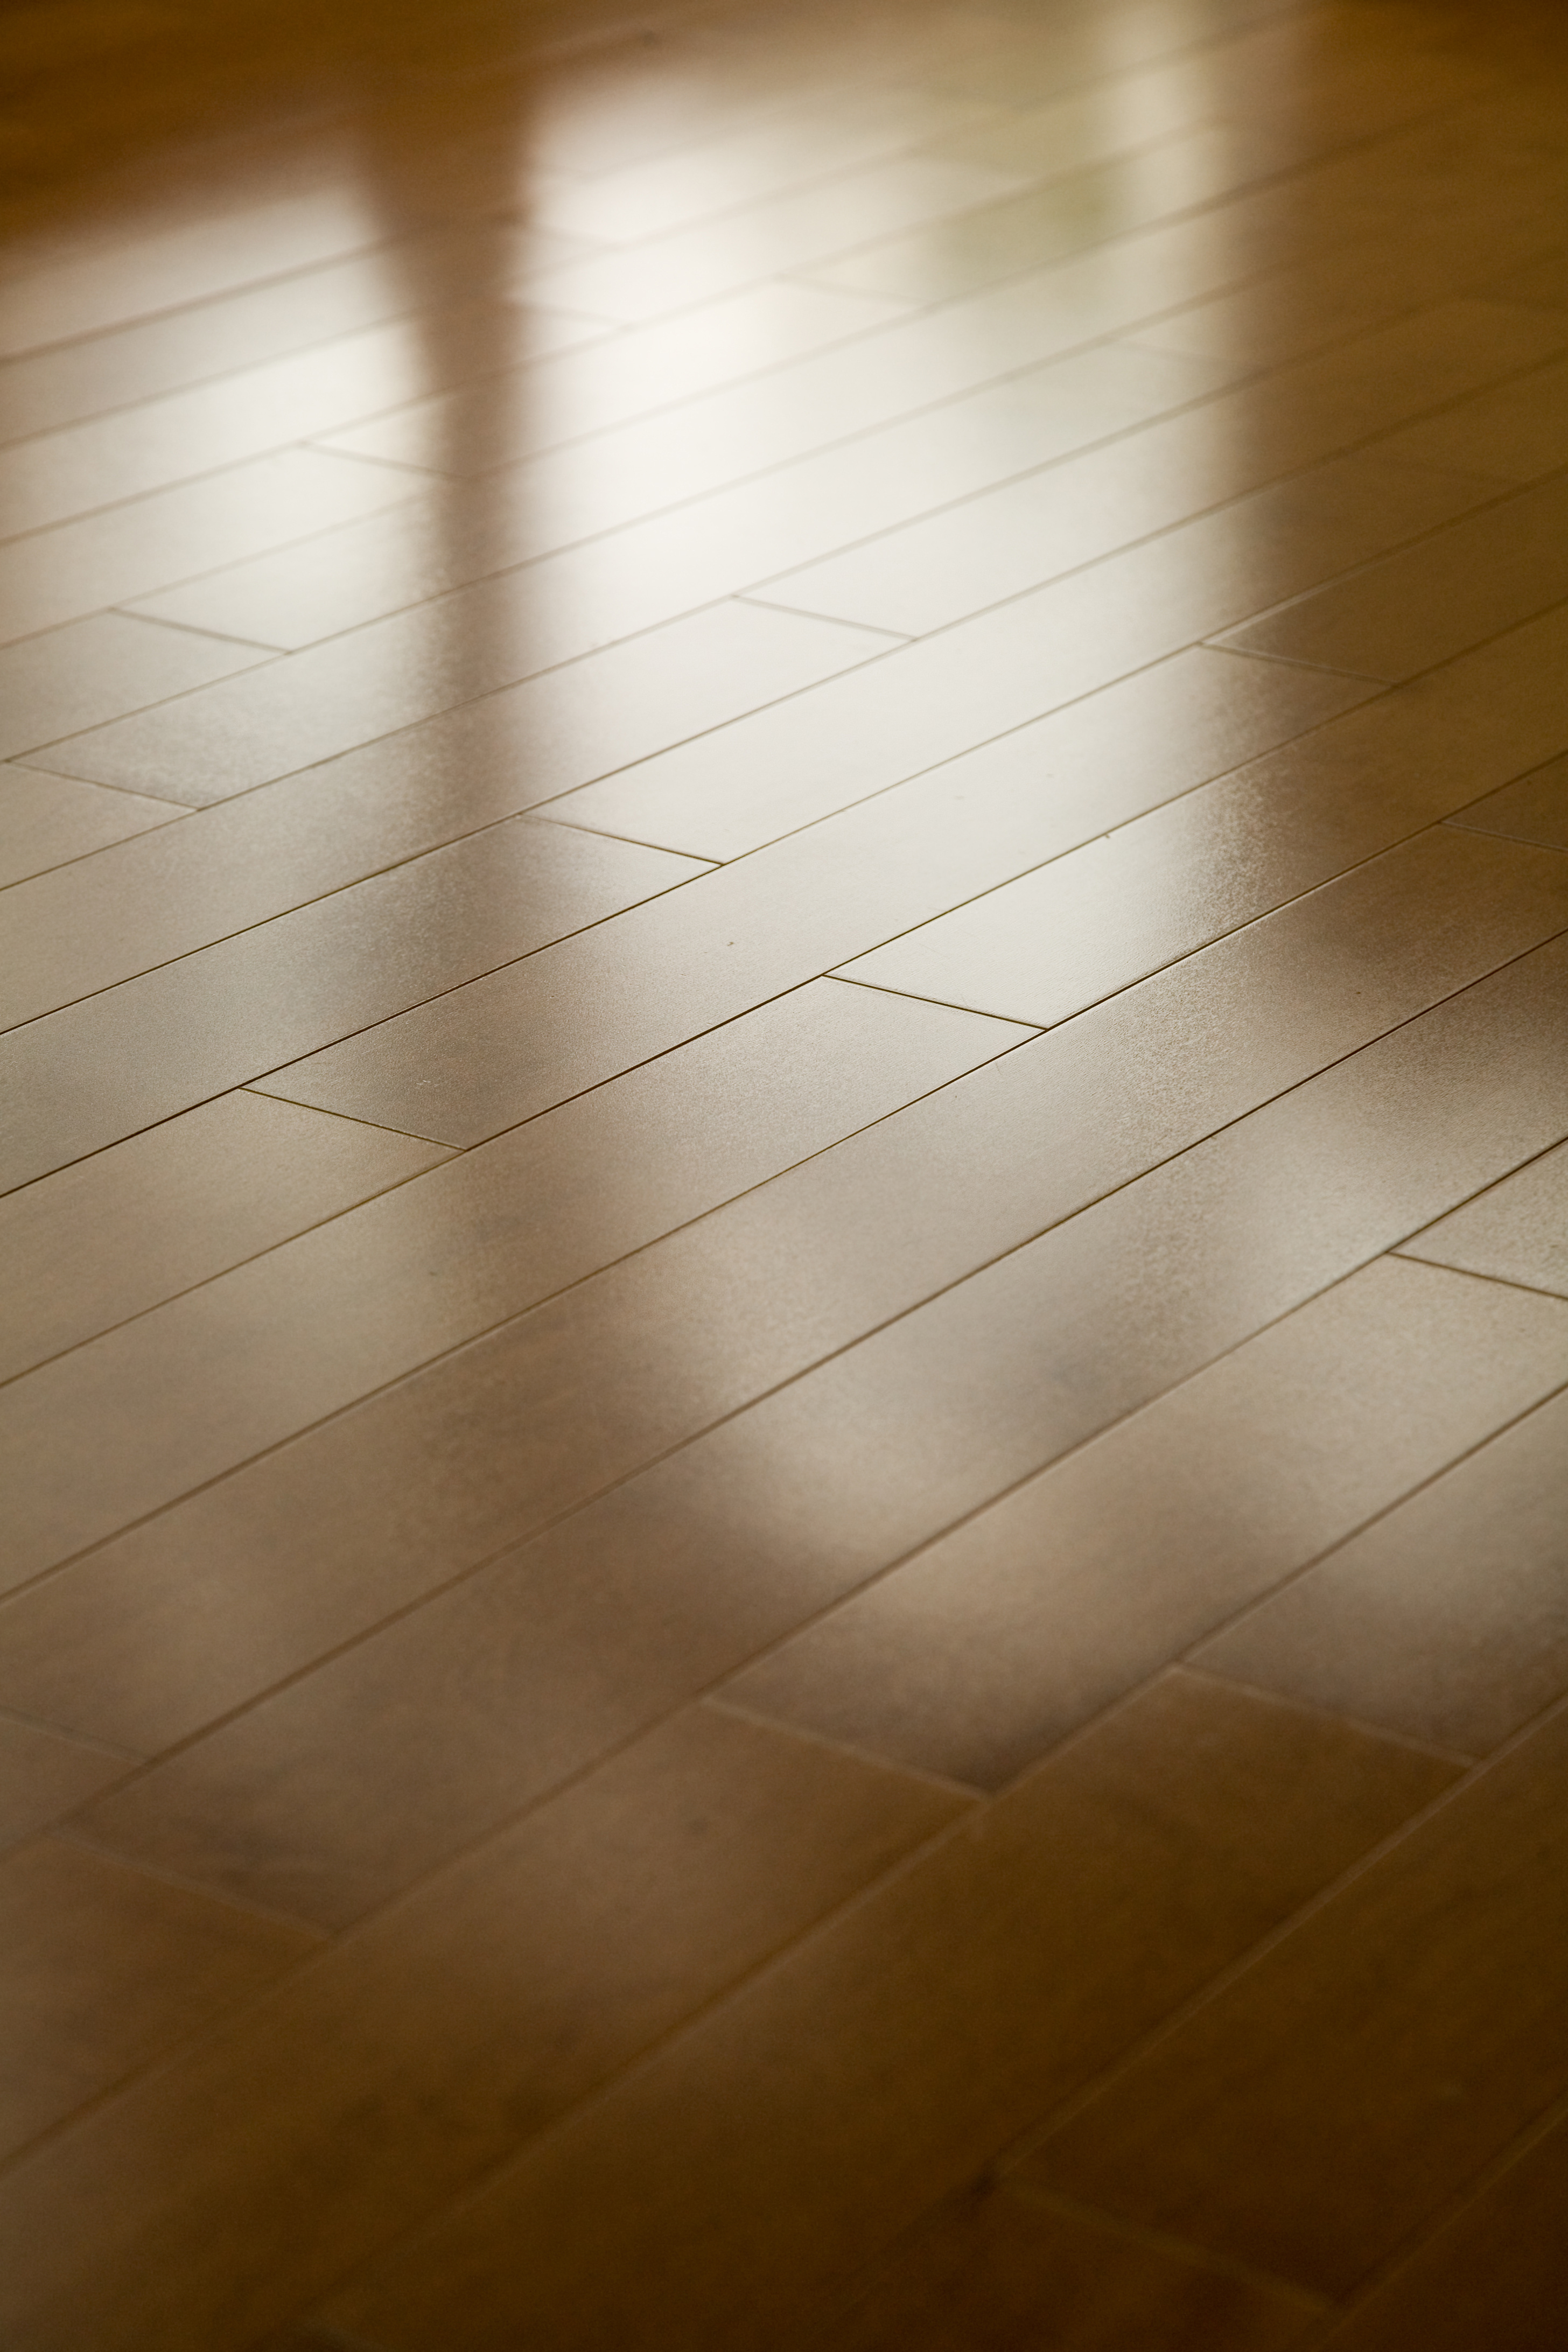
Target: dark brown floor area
{"x":784,"y":910}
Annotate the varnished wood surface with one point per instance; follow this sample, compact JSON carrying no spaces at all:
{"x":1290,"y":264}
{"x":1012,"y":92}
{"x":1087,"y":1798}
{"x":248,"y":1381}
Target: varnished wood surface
{"x":784,"y":956}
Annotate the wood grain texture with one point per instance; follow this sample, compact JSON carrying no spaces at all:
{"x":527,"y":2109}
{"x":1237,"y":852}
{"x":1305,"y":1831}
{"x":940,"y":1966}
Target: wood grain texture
{"x":784,"y":970}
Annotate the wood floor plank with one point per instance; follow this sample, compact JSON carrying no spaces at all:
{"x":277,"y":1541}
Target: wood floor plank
{"x":254,"y":859}
{"x":1533,"y":808}
{"x":788,"y":2164}
{"x":509,"y":1229}
{"x":843,"y":131}
{"x":1474,"y":578}
{"x":1177,"y":878}
{"x":1496,"y":2265}
{"x":1152,"y":100}
{"x":566,"y":395}
{"x":1180,"y":173}
{"x":1307,"y":409}
{"x":455,"y":650}
{"x":992,"y":1381}
{"x":783,"y":235}
{"x":909,"y":364}
{"x":452,"y":1068}
{"x":84,"y":1078}
{"x":112,"y":663}
{"x":46,"y":820}
{"x":76,"y":569}
{"x":44,"y":1774}
{"x":1514,"y":1233}
{"x":78,"y":467}
{"x":227,"y":332}
{"x":974,"y":1657}
{"x":1514,"y":432}
{"x":113,"y":1236}
{"x":732,"y":538}
{"x":106,"y":1967}
{"x":782,"y":1014}
{"x":1442,"y":1622}
{"x":1197,"y":696}
{"x":382,"y":2093}
{"x":967,"y":1664}
{"x":926,"y":575}
{"x":827,"y":879}
{"x":251,"y":858}
{"x":775,"y":742}
{"x":167,"y":271}
{"x":1433,"y":2021}
{"x":989,"y":2266}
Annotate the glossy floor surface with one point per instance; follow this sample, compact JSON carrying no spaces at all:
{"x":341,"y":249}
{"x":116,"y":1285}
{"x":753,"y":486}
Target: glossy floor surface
{"x":786,"y":941}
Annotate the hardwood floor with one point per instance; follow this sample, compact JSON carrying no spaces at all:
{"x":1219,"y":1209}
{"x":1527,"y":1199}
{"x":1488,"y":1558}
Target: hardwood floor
{"x":783,"y":934}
